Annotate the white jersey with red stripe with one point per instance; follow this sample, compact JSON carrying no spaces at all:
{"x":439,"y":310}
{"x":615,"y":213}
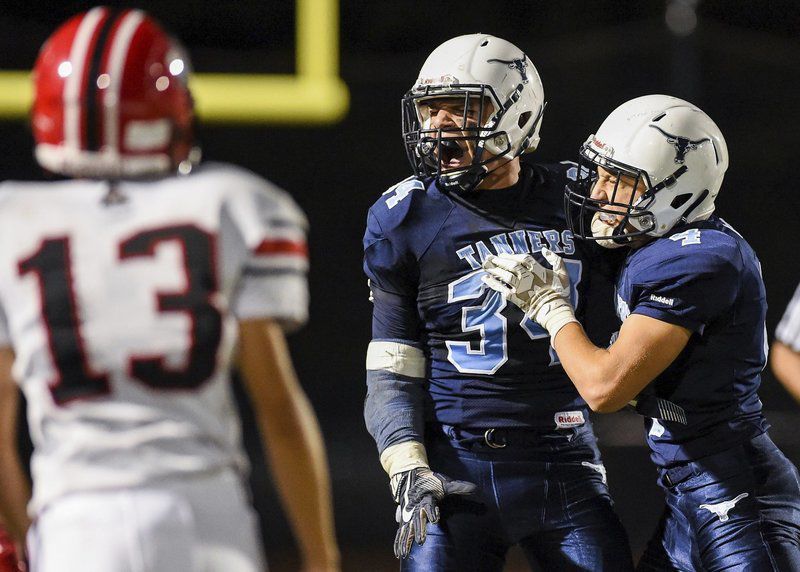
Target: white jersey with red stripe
{"x":120,"y":301}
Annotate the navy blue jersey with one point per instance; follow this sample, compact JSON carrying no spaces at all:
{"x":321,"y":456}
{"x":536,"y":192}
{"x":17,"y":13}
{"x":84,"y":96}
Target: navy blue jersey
{"x":706,"y":278}
{"x":487,"y":365}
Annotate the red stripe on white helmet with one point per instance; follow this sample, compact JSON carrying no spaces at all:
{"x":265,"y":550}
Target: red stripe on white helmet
{"x":117,"y":58}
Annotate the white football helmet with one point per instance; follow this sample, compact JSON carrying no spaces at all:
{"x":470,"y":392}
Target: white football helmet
{"x":482,"y":67}
{"x":668,"y":145}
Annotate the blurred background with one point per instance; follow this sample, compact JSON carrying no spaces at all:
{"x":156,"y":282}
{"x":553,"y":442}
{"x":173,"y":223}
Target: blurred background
{"x":738,"y":61}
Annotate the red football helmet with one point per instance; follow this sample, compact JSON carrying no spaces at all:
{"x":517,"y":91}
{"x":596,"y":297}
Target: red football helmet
{"x":111,"y":97}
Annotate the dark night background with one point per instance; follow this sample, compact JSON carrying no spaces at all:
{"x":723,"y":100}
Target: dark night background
{"x":741,"y":64}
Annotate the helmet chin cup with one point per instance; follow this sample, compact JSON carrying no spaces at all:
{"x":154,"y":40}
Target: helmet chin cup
{"x":464,"y":181}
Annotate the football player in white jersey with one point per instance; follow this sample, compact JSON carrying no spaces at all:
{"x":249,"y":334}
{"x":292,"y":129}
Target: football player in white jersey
{"x":125,"y":292}
{"x":784,"y":353}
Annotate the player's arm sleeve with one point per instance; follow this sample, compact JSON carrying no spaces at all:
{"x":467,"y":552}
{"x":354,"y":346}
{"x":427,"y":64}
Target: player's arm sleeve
{"x":264,"y":234}
{"x":788,"y":330}
{"x":394,"y":409}
{"x":689,"y":290}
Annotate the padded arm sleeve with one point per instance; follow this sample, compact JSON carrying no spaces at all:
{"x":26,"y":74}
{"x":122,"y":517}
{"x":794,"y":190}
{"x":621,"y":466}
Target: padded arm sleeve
{"x":396,"y":393}
{"x":394,"y":409}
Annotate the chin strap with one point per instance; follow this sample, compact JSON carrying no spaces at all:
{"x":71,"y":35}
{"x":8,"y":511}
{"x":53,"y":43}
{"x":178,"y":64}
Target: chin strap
{"x":619,"y":230}
{"x":670,"y":180}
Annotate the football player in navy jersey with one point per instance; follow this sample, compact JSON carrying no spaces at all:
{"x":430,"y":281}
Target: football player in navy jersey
{"x":486,"y":442}
{"x":692,"y":344}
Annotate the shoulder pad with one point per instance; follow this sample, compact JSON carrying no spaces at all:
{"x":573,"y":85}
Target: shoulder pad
{"x":401,"y":204}
{"x":700,"y":242}
{"x":691,"y":251}
{"x":6,"y":187}
{"x":234,"y":177}
{"x":242,"y":186}
{"x":410,"y":215}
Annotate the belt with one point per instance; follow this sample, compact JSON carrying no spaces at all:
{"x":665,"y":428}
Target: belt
{"x":502,"y":437}
{"x":678,"y":474}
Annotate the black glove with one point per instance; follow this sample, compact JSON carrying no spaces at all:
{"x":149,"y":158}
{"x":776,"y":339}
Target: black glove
{"x":417,"y":493}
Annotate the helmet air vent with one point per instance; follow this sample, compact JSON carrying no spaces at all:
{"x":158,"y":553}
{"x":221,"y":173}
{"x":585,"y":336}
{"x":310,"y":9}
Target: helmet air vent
{"x":680,"y":200}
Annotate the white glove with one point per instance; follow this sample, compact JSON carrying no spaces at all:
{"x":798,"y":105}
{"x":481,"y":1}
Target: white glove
{"x":542,"y":293}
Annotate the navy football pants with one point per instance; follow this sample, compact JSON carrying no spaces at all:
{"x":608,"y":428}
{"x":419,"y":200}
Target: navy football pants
{"x":545,"y":492}
{"x":735,"y":510}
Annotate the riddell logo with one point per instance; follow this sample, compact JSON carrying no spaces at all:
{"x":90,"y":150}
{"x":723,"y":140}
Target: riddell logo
{"x":443,"y":79}
{"x":605,"y":149}
{"x":662,"y":299}
{"x":567,"y":419}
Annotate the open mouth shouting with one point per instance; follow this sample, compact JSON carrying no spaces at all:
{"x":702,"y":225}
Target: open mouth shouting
{"x":453,"y":154}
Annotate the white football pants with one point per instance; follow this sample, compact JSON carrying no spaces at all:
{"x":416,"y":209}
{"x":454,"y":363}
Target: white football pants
{"x":200,"y":524}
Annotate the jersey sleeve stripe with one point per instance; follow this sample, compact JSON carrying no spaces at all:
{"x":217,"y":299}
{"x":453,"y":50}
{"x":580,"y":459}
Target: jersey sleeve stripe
{"x":396,"y":358}
{"x":291,"y":261}
{"x":269,"y":247}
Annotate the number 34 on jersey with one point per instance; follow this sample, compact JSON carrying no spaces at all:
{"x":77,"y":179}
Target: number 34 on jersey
{"x":488,"y":321}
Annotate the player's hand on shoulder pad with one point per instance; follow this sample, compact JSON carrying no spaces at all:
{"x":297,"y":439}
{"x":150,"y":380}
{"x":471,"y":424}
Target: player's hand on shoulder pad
{"x":418,"y":493}
{"x":541,"y":292}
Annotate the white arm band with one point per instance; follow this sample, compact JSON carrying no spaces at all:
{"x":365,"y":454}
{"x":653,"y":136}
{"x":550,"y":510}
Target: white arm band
{"x":397,"y":358}
{"x":403,"y":457}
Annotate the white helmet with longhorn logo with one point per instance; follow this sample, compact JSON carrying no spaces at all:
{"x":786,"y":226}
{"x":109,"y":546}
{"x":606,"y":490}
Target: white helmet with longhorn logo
{"x":483,"y":68}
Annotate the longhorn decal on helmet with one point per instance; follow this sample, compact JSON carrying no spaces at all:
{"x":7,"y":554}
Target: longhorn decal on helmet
{"x":682,"y":144}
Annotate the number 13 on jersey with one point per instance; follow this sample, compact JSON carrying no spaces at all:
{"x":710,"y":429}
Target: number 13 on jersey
{"x":75,"y":378}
